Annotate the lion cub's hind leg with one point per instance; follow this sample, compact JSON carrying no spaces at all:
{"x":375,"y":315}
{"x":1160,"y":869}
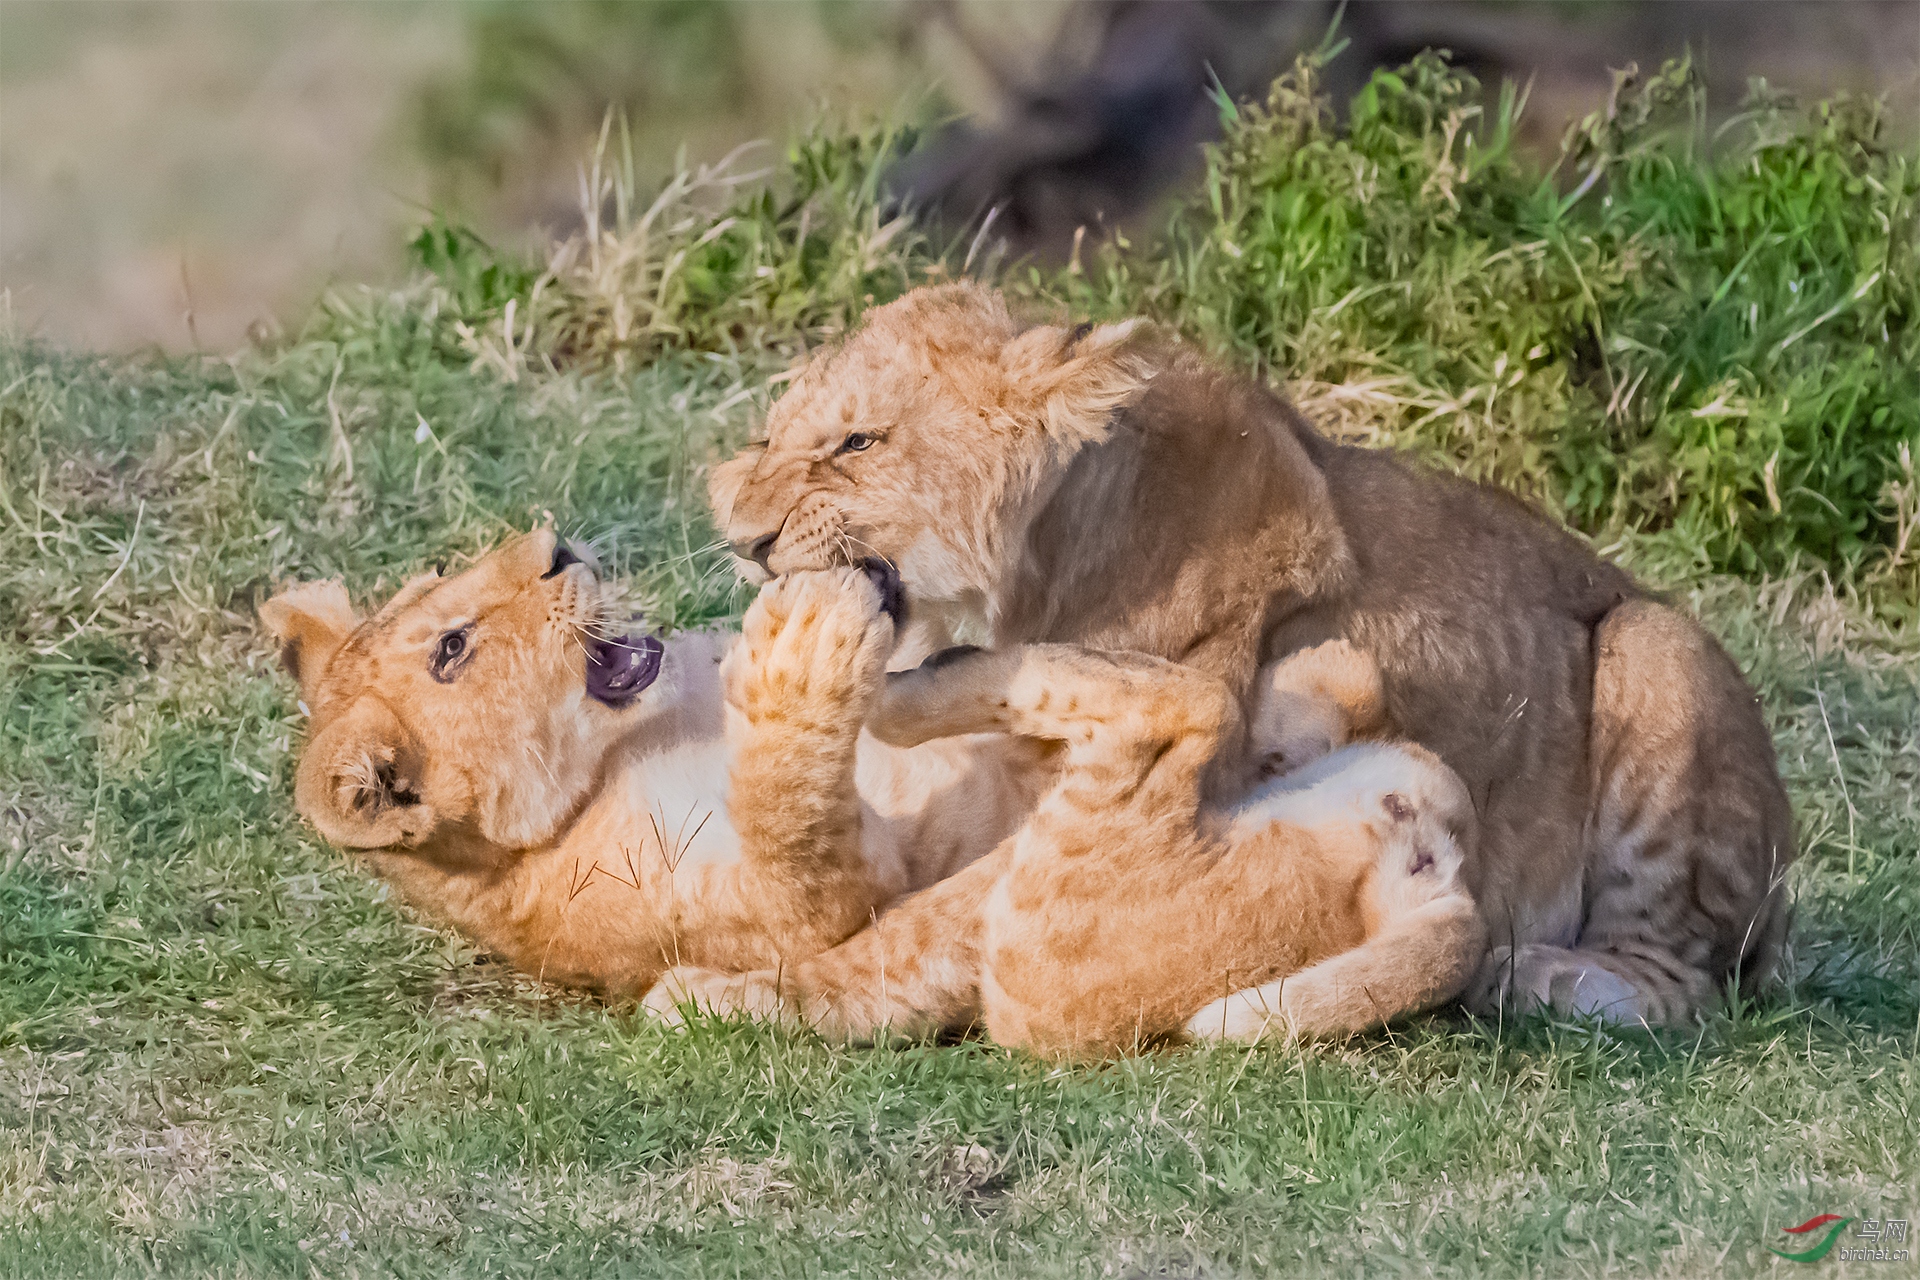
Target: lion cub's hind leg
{"x":914,"y":972}
{"x":1424,"y":933}
{"x":1088,"y":941}
{"x":1688,"y":845}
{"x":1407,"y":819}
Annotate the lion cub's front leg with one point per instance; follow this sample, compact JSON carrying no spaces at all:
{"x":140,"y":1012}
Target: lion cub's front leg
{"x":809,"y":662}
{"x":811,"y":656}
{"x":1311,"y":703}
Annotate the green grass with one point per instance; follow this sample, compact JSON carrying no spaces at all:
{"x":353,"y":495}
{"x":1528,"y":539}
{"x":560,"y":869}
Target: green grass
{"x":224,"y":1052}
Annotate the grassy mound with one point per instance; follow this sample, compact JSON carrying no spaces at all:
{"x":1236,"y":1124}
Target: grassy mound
{"x":1714,"y":340}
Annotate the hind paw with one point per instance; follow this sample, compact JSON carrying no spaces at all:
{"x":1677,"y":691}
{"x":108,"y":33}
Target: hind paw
{"x":685,"y":991}
{"x":1528,"y":979}
{"x":1253,"y":1014}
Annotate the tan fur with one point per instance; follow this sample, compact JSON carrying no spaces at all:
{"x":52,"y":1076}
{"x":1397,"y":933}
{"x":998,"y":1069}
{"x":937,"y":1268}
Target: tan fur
{"x":1113,"y":490}
{"x":1312,"y":702}
{"x":733,"y":815}
{"x":1126,"y":910}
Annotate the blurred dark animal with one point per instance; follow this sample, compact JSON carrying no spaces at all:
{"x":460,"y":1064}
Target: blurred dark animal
{"x":1110,"y":114}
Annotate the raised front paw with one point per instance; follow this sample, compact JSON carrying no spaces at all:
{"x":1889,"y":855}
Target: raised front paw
{"x":1311,"y":703}
{"x":685,"y":990}
{"x":813,"y":650}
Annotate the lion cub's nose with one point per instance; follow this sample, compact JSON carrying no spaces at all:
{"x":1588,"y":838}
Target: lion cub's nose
{"x":758,"y":550}
{"x":563,"y":555}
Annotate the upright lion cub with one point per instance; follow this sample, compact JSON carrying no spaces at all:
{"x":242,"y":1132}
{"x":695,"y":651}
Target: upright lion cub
{"x":599,"y":807}
{"x":1127,"y":908}
{"x":1104,"y":485}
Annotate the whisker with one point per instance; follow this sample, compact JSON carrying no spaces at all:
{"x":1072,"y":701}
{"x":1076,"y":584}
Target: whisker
{"x":845,"y":541}
{"x":885,"y":559}
{"x":533,"y":748}
{"x":693,"y":554}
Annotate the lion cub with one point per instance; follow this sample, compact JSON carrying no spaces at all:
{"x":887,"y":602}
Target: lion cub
{"x":599,"y":807}
{"x":1128,"y":908}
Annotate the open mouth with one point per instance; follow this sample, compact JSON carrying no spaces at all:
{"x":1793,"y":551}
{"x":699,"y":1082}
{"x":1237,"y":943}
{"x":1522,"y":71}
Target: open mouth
{"x":619,"y":668}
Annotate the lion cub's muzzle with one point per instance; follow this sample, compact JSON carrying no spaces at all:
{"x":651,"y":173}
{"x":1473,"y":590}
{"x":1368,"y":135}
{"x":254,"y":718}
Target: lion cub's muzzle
{"x":756,"y":550}
{"x":620,"y":665}
{"x":811,"y":535}
{"x":563,"y":556}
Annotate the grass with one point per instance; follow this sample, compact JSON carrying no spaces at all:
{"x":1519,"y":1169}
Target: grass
{"x":224,"y":1053}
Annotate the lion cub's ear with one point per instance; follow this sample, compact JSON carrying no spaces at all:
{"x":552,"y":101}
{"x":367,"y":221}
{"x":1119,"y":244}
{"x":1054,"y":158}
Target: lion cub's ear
{"x":311,"y":622}
{"x":360,"y":781}
{"x":1073,"y":379}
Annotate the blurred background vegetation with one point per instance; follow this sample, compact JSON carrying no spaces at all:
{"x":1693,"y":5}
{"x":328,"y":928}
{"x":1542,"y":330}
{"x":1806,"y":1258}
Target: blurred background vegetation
{"x":1678,"y":304}
{"x":180,"y":171}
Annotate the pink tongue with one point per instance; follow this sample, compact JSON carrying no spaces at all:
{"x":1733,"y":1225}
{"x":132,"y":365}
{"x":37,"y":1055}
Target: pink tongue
{"x":619,"y":669}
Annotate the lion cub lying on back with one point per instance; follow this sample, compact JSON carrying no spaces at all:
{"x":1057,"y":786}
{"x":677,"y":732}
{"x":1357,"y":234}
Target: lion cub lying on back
{"x":597,"y":807}
{"x":1128,"y":908}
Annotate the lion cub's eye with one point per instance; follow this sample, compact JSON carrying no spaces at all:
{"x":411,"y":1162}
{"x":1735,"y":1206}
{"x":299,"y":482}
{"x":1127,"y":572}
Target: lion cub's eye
{"x":449,"y":655}
{"x":858,"y":442}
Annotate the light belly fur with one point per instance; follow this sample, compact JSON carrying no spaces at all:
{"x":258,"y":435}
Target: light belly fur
{"x":1343,"y":784}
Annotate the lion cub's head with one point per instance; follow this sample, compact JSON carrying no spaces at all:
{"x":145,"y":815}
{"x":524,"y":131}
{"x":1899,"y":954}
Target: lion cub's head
{"x":911,"y":441}
{"x":477,"y":705}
